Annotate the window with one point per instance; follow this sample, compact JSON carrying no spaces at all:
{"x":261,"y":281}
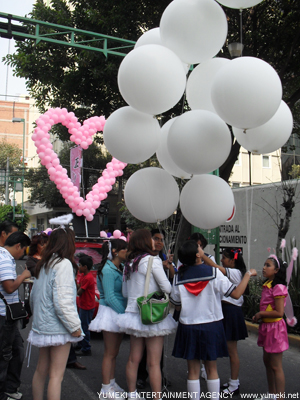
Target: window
{"x":266,"y":162}
{"x":235,"y":184}
{"x":238,"y":161}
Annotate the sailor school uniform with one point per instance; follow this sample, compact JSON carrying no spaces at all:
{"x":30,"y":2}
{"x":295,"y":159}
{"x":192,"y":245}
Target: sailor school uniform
{"x":272,"y":334}
{"x":234,"y":321}
{"x":200,"y":334}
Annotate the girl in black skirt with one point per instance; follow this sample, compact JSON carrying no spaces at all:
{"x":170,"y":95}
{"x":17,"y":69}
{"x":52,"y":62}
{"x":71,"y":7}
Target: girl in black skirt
{"x":233,"y":266}
{"x":198,"y":290}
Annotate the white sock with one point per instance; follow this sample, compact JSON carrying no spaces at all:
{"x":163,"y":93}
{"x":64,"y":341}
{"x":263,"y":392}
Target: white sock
{"x":213,"y":386}
{"x":233,"y":384}
{"x":112,"y":382}
{"x":193,"y":387}
{"x":105,"y":388}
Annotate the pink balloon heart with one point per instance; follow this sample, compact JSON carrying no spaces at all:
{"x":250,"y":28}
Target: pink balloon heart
{"x":82,"y":136}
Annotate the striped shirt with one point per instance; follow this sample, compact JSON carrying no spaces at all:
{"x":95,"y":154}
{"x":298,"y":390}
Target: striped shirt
{"x":7,"y":272}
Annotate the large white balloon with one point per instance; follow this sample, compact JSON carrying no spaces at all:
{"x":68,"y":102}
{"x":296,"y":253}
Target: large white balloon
{"x":199,"y":141}
{"x":151,"y":195}
{"x":198,"y":88}
{"x":270,"y":136}
{"x":131,"y":136}
{"x":206,"y":201}
{"x":246,"y":92}
{"x":163,"y":154}
{"x":194,"y":29}
{"x":151,"y":79}
{"x":239,"y":3}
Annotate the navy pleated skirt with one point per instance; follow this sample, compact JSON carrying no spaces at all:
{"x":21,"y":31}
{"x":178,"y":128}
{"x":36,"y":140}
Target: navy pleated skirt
{"x":200,"y":341}
{"x":234,"y":322}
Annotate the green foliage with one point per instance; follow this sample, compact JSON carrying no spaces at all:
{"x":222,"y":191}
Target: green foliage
{"x":11,"y":151}
{"x":295,"y":172}
{"x":6,"y":210}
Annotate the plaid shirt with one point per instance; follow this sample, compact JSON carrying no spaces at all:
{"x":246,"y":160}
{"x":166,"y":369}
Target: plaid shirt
{"x":7,"y":272}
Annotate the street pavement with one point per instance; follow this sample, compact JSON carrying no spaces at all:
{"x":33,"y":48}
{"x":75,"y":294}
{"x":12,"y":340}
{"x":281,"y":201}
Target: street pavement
{"x":86,"y":384}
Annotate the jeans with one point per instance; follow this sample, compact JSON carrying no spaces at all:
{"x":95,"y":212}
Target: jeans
{"x":86,"y":317}
{"x":11,"y":357}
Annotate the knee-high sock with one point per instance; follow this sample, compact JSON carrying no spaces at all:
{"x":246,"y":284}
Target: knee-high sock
{"x":213,"y":386}
{"x":193,"y":387}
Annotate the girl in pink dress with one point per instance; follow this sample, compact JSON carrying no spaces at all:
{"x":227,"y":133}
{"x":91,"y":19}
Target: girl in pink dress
{"x":272,"y":334}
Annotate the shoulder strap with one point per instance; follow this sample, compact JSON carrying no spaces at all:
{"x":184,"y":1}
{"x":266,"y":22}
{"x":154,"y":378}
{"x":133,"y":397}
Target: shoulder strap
{"x":147,"y":281}
{"x":3,"y":298}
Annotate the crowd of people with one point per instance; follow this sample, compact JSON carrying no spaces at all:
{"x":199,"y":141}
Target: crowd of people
{"x":208,"y":319}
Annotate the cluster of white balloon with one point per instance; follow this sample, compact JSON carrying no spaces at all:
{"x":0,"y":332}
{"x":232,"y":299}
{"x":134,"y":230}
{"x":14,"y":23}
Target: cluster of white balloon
{"x":245,"y":93}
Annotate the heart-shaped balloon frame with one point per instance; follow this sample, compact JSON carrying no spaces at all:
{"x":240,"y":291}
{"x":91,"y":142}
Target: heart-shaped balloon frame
{"x":81,"y":135}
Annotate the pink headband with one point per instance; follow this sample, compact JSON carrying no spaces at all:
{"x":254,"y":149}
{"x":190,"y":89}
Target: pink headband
{"x":275,"y":258}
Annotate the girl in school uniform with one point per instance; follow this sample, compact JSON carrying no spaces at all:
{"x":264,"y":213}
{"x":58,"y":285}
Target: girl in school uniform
{"x":200,"y":334}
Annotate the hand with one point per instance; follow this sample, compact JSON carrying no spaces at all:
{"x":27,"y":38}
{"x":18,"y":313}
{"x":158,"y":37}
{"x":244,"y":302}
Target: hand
{"x":256,"y":317}
{"x":76,"y":333}
{"x":253,"y":272}
{"x":26,"y":273}
{"x":167,"y":264}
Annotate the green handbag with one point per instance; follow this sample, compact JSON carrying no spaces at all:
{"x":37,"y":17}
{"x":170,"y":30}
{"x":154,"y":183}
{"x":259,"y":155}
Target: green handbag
{"x":154,"y":307}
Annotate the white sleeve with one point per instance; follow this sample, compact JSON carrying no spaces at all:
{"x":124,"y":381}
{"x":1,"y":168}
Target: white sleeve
{"x":224,"y":286}
{"x":63,"y":296}
{"x":175,"y":294}
{"x":124,"y":287}
{"x":234,"y":275}
{"x":160,"y":275}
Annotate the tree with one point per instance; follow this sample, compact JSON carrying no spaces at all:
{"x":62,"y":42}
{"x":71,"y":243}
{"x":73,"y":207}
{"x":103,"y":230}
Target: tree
{"x":6,"y":214}
{"x":13,"y":153}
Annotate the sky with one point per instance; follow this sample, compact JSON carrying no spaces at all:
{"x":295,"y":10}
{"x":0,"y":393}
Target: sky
{"x":9,"y":84}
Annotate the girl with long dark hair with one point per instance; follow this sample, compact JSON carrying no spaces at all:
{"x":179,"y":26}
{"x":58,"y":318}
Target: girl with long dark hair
{"x":55,"y":319}
{"x":112,"y":303}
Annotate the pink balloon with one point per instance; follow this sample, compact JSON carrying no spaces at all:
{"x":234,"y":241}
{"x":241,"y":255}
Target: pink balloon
{"x":86,"y":212}
{"x":123,"y":238}
{"x":103,"y":234}
{"x":117,"y":234}
{"x":90,"y":217}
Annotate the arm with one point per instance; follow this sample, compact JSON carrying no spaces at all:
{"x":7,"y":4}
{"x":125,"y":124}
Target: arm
{"x":160,"y":276}
{"x":277,"y":313}
{"x":80,"y":291}
{"x":168,"y":265}
{"x":209,"y":261}
{"x":11,"y":286}
{"x":238,"y":291}
{"x":108,"y":284}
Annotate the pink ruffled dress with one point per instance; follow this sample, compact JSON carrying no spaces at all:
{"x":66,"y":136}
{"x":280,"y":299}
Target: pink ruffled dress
{"x":272,"y":335}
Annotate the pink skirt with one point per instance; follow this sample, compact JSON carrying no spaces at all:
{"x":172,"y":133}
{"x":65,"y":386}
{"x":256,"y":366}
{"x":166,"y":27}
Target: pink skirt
{"x":272,"y":336}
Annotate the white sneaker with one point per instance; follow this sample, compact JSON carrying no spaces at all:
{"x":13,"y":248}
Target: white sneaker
{"x":118,"y":388}
{"x":17,"y":395}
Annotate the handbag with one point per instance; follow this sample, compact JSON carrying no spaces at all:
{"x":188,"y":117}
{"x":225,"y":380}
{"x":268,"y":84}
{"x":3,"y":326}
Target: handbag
{"x":153,"y":307}
{"x":14,"y":311}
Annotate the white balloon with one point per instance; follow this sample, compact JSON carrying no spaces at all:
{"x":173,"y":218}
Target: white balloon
{"x":163,"y":154}
{"x":246,"y":92}
{"x":151,"y":195}
{"x":194,"y":29}
{"x":270,"y":136}
{"x":151,"y":79}
{"x":239,"y":3}
{"x":149,"y":37}
{"x":131,"y":136}
{"x":198,"y":88}
{"x":206,"y":201}
{"x":199,"y":141}
{"x":153,"y":37}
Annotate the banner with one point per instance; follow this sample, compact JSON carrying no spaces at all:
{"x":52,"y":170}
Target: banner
{"x":75,"y":164}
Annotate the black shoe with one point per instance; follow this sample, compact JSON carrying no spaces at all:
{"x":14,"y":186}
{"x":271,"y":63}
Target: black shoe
{"x":77,"y":347}
{"x":140,"y":384}
{"x":235,"y":392}
{"x":224,"y":386}
{"x":84,"y":353}
{"x":76,"y":365}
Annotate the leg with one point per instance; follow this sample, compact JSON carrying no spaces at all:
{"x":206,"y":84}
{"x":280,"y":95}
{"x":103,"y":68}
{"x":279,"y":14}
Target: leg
{"x":86,"y":317}
{"x":270,"y":373}
{"x":13,"y":380}
{"x":142,"y":371}
{"x":154,"y":347}
{"x":193,"y":382}
{"x":279,"y":378}
{"x":213,"y":381}
{"x":58,"y":361}
{"x":112,"y":342}
{"x":137,"y":345}
{"x":234,"y":359}
{"x":41,"y":373}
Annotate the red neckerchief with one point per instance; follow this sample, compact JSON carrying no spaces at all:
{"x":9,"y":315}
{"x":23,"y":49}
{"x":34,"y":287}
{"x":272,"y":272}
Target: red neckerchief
{"x":195,"y":288}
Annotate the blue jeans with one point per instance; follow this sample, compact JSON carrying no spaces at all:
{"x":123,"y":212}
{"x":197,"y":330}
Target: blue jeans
{"x":11,"y":357}
{"x":86,"y":317}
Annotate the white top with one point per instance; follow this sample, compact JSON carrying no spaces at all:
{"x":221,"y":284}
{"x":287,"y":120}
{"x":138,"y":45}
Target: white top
{"x":134,"y":287}
{"x":235,"y":276}
{"x":206,"y":307}
{"x":7,"y":272}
